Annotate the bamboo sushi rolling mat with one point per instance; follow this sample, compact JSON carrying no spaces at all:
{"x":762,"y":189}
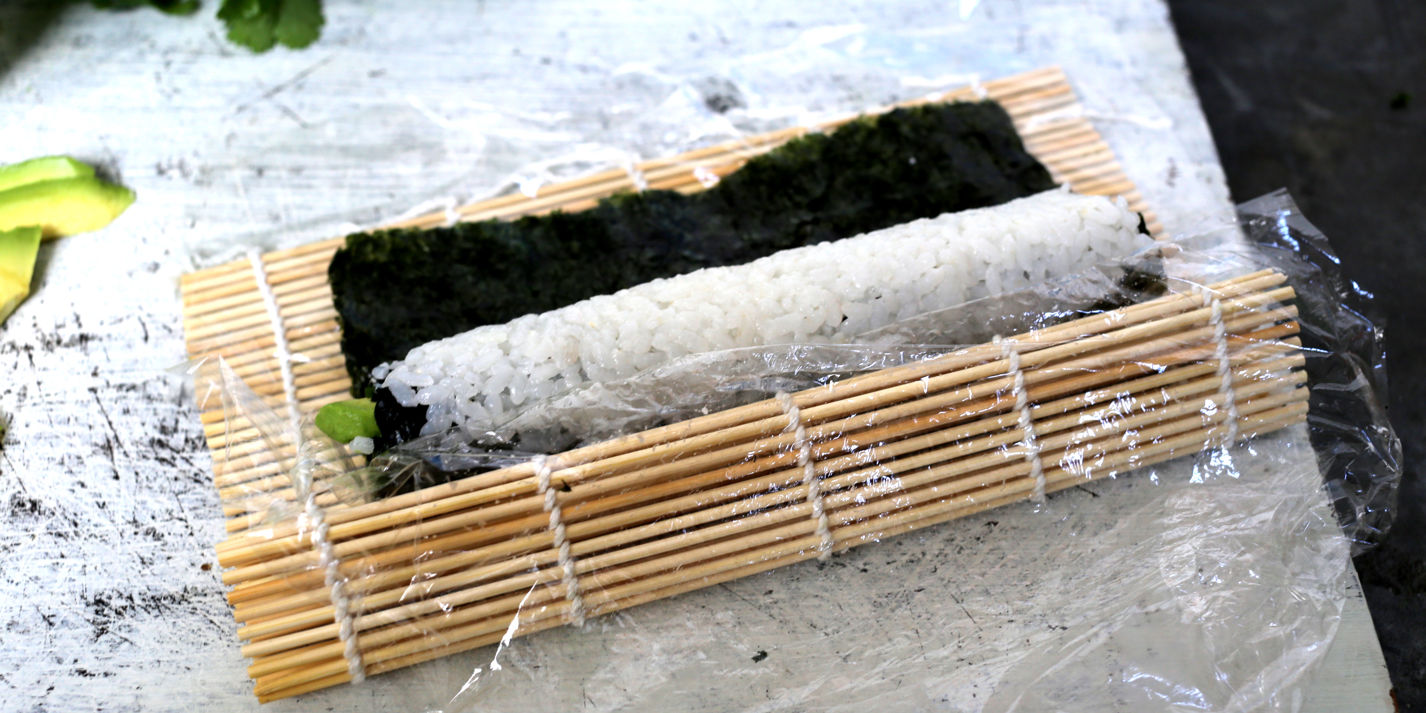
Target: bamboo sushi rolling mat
{"x":234,"y":310}
{"x":699,"y":502}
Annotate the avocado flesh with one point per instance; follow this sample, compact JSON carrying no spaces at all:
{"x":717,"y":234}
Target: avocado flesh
{"x":64,"y":206}
{"x":45,"y":168}
{"x":18,"y":249}
{"x":346,"y":420}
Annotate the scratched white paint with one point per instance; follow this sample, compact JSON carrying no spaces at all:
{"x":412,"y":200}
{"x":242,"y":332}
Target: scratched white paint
{"x":106,"y":515}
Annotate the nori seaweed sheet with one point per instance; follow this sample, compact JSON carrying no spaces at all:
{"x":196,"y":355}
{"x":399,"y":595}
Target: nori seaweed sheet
{"x":397,"y":289}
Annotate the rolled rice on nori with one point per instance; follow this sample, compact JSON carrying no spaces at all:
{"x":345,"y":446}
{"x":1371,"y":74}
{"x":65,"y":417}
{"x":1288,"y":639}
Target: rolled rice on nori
{"x":397,"y":289}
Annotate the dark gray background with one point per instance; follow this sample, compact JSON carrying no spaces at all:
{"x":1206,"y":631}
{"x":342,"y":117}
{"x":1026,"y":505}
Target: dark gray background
{"x":1329,"y":100}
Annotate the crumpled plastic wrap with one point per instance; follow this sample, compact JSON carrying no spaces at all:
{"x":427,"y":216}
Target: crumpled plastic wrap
{"x":1212,"y":581}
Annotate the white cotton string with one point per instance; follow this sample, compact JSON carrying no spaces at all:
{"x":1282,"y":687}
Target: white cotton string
{"x":1010,"y":354}
{"x":706,"y":177}
{"x":336,"y":588}
{"x":1225,"y":364}
{"x":566,"y":560}
{"x":978,"y":88}
{"x":636,"y":176}
{"x":279,"y":337}
{"x":809,"y":473}
{"x":326,"y":555}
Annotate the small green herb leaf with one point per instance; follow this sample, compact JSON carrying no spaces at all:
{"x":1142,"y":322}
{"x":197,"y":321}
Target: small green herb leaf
{"x":250,"y":22}
{"x":260,"y":24}
{"x":300,"y":23}
{"x":172,"y":7}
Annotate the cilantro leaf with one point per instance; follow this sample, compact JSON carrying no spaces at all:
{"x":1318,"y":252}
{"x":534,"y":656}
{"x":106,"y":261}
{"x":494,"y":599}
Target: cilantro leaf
{"x":260,"y":24}
{"x":300,"y":22}
{"x":250,"y":22}
{"x":256,"y":24}
{"x":172,"y":7}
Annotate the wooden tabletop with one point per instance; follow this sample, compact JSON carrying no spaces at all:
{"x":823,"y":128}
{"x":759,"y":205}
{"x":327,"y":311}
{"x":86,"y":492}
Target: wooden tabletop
{"x":108,"y":596}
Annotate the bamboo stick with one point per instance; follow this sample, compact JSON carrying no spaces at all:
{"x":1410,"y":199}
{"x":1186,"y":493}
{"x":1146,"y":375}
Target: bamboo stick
{"x":484,"y":533}
{"x":530,"y":624}
{"x":772,"y":491}
{"x":802,"y":548}
{"x":466,"y":542}
{"x":764,"y":417}
{"x":410,"y":625}
{"x":624,"y":475}
{"x":1077,"y":365}
{"x":461,"y":540}
{"x":1050,"y":429}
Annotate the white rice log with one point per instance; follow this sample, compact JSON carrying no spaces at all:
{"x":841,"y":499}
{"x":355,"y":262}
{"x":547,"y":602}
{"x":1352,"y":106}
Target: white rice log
{"x":826,"y":293}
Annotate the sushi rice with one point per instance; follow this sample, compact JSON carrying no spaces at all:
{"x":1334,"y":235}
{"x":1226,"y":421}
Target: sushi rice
{"x":827,"y":293}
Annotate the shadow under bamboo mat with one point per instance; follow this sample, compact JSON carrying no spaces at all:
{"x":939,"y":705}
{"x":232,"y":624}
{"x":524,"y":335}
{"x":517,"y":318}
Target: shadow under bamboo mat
{"x":227,"y":314}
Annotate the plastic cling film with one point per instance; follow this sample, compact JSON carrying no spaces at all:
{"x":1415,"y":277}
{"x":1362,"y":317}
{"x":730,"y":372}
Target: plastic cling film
{"x":796,"y":527}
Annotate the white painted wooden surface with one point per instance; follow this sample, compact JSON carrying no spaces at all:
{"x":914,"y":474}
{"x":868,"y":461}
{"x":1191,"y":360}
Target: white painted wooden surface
{"x":106,"y":515}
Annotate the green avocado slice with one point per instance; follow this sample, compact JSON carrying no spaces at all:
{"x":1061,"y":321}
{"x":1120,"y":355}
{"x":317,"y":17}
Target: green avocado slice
{"x":345,"y":420}
{"x":63,"y":206}
{"x":45,"y":168}
{"x":18,"y":249}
